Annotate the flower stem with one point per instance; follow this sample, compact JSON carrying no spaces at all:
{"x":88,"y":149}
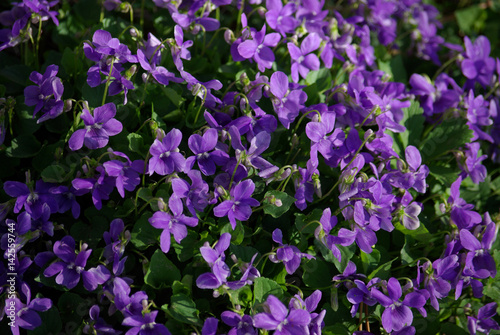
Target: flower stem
{"x":107,"y":83}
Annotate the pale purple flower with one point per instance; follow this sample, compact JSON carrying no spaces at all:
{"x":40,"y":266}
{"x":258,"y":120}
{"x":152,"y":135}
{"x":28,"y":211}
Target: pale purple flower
{"x":303,"y":60}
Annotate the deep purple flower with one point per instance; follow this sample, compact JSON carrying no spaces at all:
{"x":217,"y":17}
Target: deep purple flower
{"x":484,"y":322}
{"x":24,"y":315}
{"x":98,"y":128}
{"x":210,"y":326}
{"x":144,"y":324}
{"x":435,"y":100}
{"x":166,"y":157}
{"x":238,"y":207}
{"x":277,"y":317}
{"x":71,"y":266}
{"x":397,"y":314}
{"x":160,"y":73}
{"x":33,"y":201}
{"x":46,"y":95}
{"x":100,"y":187}
{"x":174,"y":223}
{"x":196,"y":195}
{"x":290,"y":255}
{"x":215,"y":258}
{"x":477,"y":65}
{"x":437,"y":280}
{"x":98,"y":325}
{"x":461,"y":212}
{"x":473,"y":166}
{"x":126,"y":174}
{"x":359,"y":294}
{"x":478,"y":258}
{"x":242,"y":325}
{"x":324,"y":136}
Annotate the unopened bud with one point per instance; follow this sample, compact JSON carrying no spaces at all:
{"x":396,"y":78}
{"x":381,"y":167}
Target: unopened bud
{"x":162,"y":206}
{"x":229,"y":36}
{"x":68,"y":105}
{"x":133,"y":32}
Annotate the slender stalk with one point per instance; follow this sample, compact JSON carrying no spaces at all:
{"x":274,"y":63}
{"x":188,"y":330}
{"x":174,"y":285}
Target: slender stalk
{"x":37,"y":46}
{"x":107,"y":82}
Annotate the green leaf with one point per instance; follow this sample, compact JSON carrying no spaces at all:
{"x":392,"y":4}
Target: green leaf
{"x":383,"y":271}
{"x":237,"y":234}
{"x":264,"y":287}
{"x":90,"y":233}
{"x":71,"y":306}
{"x":303,"y":222}
{"x":406,"y":252}
{"x":93,"y":94}
{"x":316,"y":274}
{"x":277,"y":203}
{"x":446,"y":175}
{"x":467,"y":18}
{"x":370,"y":261}
{"x":450,"y":134}
{"x":24,"y":146}
{"x":55,"y":173}
{"x":242,"y":296}
{"x":322,"y":78}
{"x":136,"y":144}
{"x":185,"y":250}
{"x":419,"y":234}
{"x":413,"y":120}
{"x":51,"y":323}
{"x":346,"y":255}
{"x":176,"y":99}
{"x":183,"y":309}
{"x":71,"y":62}
{"x":144,"y":234}
{"x":162,"y":272}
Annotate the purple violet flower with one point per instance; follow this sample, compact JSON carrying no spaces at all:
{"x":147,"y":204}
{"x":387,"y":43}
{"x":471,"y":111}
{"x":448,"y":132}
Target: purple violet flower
{"x":46,"y":95}
{"x":98,"y":128}
{"x":174,"y":223}
{"x":259,"y":48}
{"x":277,"y":317}
{"x":303,"y":60}
{"x":71,"y":266}
{"x":242,"y":325}
{"x":397,"y":314}
{"x":477,"y":65}
{"x":290,"y":255}
{"x":166,"y":157}
{"x":144,"y":324}
{"x":287,"y":103}
{"x":215,"y":258}
{"x":26,"y":315}
{"x":484,"y":321}
{"x":238,"y":207}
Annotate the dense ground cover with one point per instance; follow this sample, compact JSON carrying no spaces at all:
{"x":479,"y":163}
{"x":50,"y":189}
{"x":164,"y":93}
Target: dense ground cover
{"x":249,"y":167}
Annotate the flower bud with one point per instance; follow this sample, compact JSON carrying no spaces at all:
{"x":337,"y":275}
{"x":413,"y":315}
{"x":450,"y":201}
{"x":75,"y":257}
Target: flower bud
{"x":68,"y":105}
{"x":229,"y":36}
